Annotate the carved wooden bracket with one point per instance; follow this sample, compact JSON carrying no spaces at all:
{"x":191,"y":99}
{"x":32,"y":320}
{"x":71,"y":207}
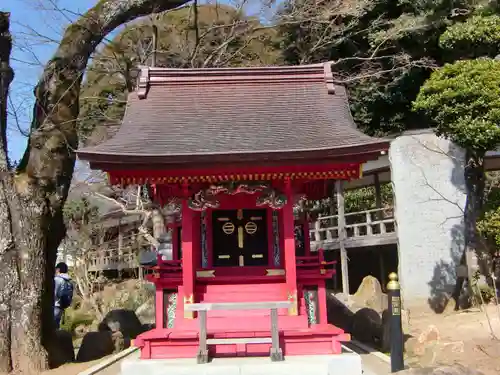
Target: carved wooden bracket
{"x":206,"y":198}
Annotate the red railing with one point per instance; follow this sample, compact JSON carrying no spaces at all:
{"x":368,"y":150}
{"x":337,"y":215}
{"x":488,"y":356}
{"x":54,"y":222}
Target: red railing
{"x":166,"y":269}
{"x":315,"y":266}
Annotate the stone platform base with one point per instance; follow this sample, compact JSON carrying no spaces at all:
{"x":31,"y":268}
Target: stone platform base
{"x":339,"y":364}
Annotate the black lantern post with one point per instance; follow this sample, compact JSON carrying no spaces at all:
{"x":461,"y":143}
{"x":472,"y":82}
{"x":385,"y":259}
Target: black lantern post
{"x":396,"y":327}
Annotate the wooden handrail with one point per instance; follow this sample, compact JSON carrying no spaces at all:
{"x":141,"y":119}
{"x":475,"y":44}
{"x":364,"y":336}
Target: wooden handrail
{"x":202,"y":308}
{"x":369,"y":224}
{"x":372,"y":210}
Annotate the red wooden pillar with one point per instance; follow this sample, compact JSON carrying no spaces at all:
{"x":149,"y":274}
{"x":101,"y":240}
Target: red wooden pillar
{"x":281,"y":238}
{"x":188,"y":271}
{"x":307,"y":236}
{"x":196,"y":240}
{"x":159,"y":308}
{"x":175,"y":240}
{"x":209,"y":238}
{"x":289,"y":245}
{"x":322,"y":303}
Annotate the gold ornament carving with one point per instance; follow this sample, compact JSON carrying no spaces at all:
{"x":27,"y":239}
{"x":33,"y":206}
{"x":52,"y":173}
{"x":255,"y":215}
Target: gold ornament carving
{"x":251,"y":227}
{"x":189,"y":299}
{"x":240,"y":237}
{"x":292,"y":297}
{"x":228,"y":228}
{"x":206,"y":273}
{"x":275,"y":272}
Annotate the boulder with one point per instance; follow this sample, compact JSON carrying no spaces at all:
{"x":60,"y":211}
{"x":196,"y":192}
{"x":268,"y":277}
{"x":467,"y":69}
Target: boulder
{"x":344,"y":298}
{"x":148,"y":327}
{"x":365,"y":314}
{"x":339,"y":313}
{"x":96,"y":345}
{"x":81,"y":330}
{"x":146,"y":312}
{"x":124,"y":321}
{"x":364,"y":323}
{"x":118,"y":341}
{"x":62,"y":349}
{"x":367,"y":327}
{"x":385,"y":345}
{"x":369,"y":294}
{"x":441,"y":370}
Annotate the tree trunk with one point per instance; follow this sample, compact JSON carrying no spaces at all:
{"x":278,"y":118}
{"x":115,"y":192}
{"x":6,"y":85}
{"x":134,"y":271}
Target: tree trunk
{"x":32,"y":196}
{"x":475,"y":184}
{"x":8,"y":278}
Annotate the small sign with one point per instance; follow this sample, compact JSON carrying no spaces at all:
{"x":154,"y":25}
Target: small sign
{"x":396,"y":306}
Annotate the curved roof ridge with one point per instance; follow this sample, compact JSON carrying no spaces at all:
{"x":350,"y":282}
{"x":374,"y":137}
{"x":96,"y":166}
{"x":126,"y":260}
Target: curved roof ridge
{"x":250,"y":114}
{"x":233,"y":70}
{"x":261,"y":74}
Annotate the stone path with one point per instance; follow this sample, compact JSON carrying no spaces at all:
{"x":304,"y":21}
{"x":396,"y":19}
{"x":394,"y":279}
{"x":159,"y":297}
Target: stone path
{"x":372,"y":365}
{"x":114,"y":369}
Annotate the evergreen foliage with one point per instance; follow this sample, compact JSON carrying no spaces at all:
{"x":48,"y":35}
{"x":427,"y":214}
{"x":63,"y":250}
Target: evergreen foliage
{"x":477,"y":36}
{"x":463,"y":101}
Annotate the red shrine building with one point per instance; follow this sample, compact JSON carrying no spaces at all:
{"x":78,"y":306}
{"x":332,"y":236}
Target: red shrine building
{"x":238,"y":150}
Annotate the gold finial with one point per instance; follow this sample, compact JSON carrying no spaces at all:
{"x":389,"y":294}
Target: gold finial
{"x":393,"y":283}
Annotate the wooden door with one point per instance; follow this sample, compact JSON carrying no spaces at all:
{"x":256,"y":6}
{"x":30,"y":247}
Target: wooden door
{"x":240,"y":238}
{"x":225,"y":238}
{"x":253,"y":226}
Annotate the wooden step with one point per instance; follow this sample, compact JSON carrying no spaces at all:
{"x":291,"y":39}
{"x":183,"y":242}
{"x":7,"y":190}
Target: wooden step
{"x":241,"y":297}
{"x":210,"y":293}
{"x":181,"y":343}
{"x":257,"y":323}
{"x":249,"y":340}
{"x":241,"y":288}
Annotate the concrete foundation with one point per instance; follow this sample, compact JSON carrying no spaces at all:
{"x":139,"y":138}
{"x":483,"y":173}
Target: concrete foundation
{"x":340,"y":364}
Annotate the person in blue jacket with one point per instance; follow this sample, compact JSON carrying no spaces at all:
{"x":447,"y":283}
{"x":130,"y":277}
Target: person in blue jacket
{"x":63,"y":292}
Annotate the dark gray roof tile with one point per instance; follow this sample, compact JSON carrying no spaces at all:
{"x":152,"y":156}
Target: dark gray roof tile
{"x":233,"y":111}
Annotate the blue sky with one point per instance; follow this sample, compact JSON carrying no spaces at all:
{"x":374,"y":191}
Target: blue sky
{"x":37,"y":26}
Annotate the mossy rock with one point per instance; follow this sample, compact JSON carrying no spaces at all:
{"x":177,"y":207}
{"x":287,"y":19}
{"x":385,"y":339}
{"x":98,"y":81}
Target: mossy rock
{"x":75,"y":318}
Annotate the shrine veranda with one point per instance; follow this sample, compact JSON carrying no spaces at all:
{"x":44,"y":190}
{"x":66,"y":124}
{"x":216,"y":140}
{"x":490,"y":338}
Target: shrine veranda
{"x":235,"y":150}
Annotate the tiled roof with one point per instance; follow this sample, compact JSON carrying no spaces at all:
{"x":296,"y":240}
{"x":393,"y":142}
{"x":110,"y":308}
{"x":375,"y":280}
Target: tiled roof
{"x":233,"y":113}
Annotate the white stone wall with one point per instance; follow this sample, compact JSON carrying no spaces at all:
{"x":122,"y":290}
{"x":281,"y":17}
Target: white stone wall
{"x":428,"y":181}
